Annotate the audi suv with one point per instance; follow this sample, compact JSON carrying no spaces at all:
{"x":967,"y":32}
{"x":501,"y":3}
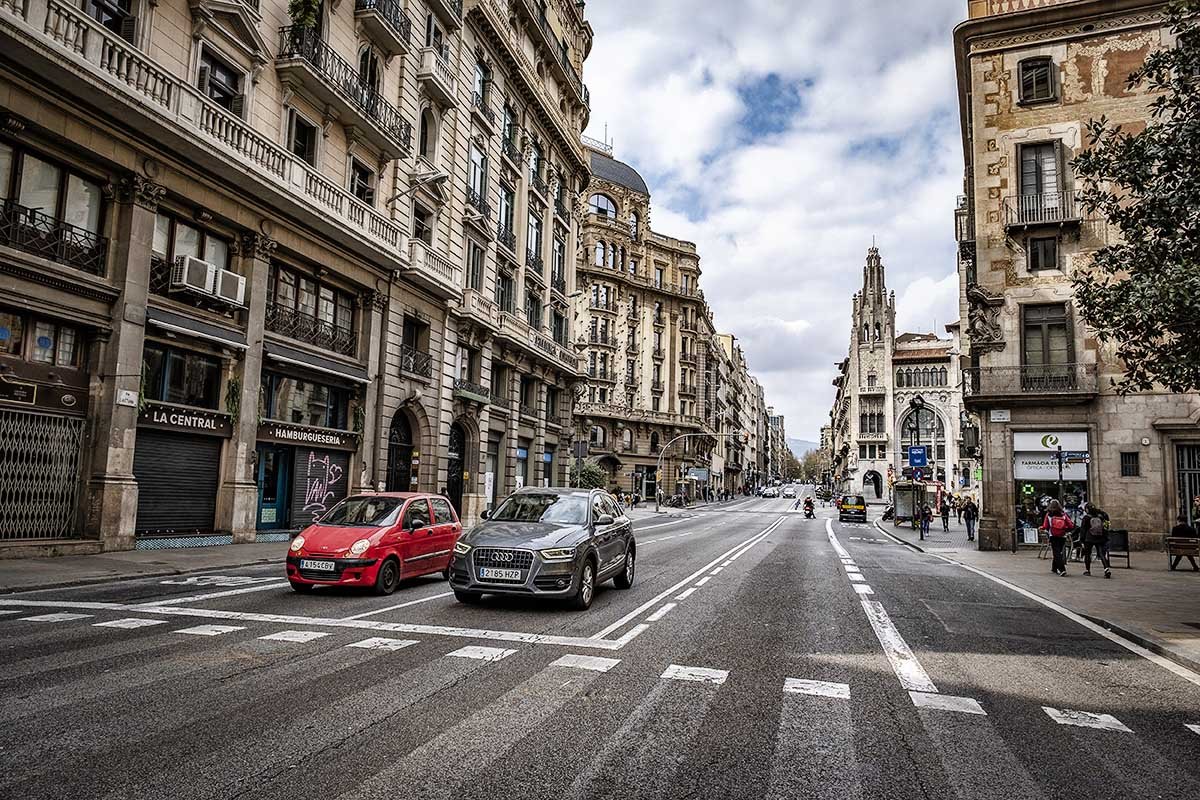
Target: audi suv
{"x":546,"y":542}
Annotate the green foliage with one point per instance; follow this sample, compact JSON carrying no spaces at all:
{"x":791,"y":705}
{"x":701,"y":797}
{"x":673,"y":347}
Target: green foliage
{"x":588,"y":475}
{"x":233,"y":398}
{"x":1143,"y":293}
{"x":304,"y":12}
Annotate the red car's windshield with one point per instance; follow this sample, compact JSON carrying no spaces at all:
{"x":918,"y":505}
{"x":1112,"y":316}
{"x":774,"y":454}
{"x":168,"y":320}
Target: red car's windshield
{"x":368,"y":512}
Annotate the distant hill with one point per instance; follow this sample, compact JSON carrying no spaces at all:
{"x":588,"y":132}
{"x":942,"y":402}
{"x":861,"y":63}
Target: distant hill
{"x":801,"y":446}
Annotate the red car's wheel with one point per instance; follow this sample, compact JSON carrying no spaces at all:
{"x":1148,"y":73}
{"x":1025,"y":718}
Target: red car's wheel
{"x":388,"y":577}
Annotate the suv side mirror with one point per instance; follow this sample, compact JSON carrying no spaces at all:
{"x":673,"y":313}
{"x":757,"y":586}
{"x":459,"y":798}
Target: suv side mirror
{"x":604,"y":519}
{"x":485,"y":514}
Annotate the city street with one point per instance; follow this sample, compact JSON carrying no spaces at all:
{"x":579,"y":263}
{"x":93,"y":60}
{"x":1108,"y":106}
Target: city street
{"x":758,"y":654}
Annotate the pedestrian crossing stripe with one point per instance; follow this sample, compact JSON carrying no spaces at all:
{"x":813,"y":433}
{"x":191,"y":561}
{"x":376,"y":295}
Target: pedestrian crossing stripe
{"x":700,"y":674}
{"x":294,"y":636}
{"x":129,"y":623}
{"x":840,"y":691}
{"x":58,"y":617}
{"x":383,"y":643}
{"x":1086,"y":719}
{"x":946,"y":702}
{"x":482,"y":653}
{"x":592,"y":663}
{"x":211,"y":630}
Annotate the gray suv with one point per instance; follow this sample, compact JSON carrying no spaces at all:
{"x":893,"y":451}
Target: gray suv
{"x":546,"y":543}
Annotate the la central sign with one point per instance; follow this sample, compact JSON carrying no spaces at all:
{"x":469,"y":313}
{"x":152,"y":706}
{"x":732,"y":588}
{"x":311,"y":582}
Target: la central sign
{"x":181,"y":418}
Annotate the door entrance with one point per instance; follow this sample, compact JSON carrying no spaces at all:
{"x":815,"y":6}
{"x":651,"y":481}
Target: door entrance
{"x":400,"y":475}
{"x":454,"y":467}
{"x":1187,"y":460}
{"x":274,"y":487}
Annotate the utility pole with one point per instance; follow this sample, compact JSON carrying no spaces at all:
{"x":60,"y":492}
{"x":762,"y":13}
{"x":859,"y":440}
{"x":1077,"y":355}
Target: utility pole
{"x":663,"y":451}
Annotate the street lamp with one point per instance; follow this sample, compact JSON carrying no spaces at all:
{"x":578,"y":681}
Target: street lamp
{"x":917,"y":404}
{"x":658,"y":469}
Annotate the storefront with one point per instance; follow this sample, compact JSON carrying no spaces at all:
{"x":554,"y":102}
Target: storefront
{"x":522,"y":477}
{"x":1049,"y":465}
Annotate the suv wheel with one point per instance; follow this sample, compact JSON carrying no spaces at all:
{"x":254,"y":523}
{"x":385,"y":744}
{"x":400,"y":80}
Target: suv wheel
{"x":587,"y":587}
{"x":625,"y":579}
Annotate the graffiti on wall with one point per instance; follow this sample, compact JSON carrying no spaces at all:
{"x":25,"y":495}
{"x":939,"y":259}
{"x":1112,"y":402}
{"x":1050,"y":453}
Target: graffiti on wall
{"x":320,"y":484}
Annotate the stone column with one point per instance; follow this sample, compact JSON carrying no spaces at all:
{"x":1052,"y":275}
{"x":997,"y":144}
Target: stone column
{"x":237,"y":498}
{"x":364,"y":468}
{"x":539,"y":437}
{"x":111,"y":508}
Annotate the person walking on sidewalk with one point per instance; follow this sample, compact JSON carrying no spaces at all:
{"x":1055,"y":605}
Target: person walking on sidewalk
{"x":970,"y":515}
{"x":959,"y":502}
{"x":926,"y":519}
{"x":946,"y":515}
{"x":1184,"y":531}
{"x":1057,"y":525}
{"x":1094,"y":528}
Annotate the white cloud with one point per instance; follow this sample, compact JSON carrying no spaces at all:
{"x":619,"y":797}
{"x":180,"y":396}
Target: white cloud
{"x":783,"y":217}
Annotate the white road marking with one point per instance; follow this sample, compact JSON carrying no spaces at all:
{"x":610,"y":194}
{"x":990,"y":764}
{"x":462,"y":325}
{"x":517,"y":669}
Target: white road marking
{"x":211,"y":630}
{"x":637,"y":528}
{"x":946,"y":702}
{"x":294,"y":636}
{"x":482,"y":653}
{"x":129,"y":622}
{"x":862,"y":588}
{"x":910,"y":672}
{"x":700,"y":674}
{"x":1085,"y":719}
{"x":726,"y":564}
{"x":217,"y":580}
{"x":661,"y":612}
{"x":59,"y":617}
{"x":703,"y":580}
{"x":856,"y":576}
{"x":2,"y":613}
{"x":817,"y":688}
{"x":593,"y":663}
{"x":383,"y":643}
{"x":716,"y":571}
{"x":1193,"y":728}
{"x":261,"y":587}
{"x":686,"y":594}
{"x":629,"y":636}
{"x":637,"y":612}
{"x":399,"y":605}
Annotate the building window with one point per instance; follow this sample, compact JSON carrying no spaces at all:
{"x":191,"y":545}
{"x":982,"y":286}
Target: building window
{"x":1131,"y":465}
{"x":415,"y":334}
{"x":362,"y":182}
{"x":483,"y":82}
{"x":536,"y":160}
{"x":862,"y":451}
{"x":175,"y":239}
{"x":509,"y":131}
{"x":116,"y":15}
{"x":602,"y":205}
{"x":48,"y":342}
{"x":427,"y":136}
{"x":659,"y":277}
{"x":558,"y":264}
{"x":1043,"y":253}
{"x":551,"y":402}
{"x":46,"y":189}
{"x":1037,"y":80}
{"x":477,"y":178}
{"x":304,"y":402}
{"x":1039,"y":171}
{"x":599,"y":436}
{"x":302,"y":137}
{"x":656,"y":403}
{"x":293,"y":291}
{"x":422,"y":224}
{"x":533,"y":309}
{"x":475,"y":256}
{"x":871,"y":381}
{"x":559,"y":327}
{"x":220,"y":82}
{"x":369,"y":69}
{"x":505,"y":293}
{"x":635,"y":226}
{"x":533,"y":241}
{"x":183,"y":377}
{"x":507,"y":203}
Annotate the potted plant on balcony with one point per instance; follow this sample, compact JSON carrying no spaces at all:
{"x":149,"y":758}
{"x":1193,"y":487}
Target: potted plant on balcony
{"x":303,"y":13}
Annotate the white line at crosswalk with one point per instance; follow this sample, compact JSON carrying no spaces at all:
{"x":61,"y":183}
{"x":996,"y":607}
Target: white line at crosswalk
{"x":294,"y":636}
{"x":129,"y":623}
{"x":592,"y":663}
{"x":816,"y":688}
{"x":211,"y":630}
{"x":676,"y":672}
{"x":59,"y":617}
{"x":482,"y":653}
{"x":1085,"y":719}
{"x":383,"y":643}
{"x":946,"y":702}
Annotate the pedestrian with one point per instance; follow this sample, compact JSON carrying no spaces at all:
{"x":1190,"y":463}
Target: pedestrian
{"x":1184,"y":531}
{"x":958,"y":508}
{"x":926,"y":519}
{"x":1094,"y":531}
{"x":970,"y":515}
{"x":1058,"y":527}
{"x":945,"y":515}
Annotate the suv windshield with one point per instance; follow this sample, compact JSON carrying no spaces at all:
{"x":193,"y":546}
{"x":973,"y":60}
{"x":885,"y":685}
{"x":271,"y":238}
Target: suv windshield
{"x":367,"y":512}
{"x":565,"y":509}
{"x":853,"y":500}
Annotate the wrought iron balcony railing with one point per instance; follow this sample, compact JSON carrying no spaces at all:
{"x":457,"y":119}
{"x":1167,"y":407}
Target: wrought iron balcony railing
{"x":538,"y":183}
{"x":415,"y":362}
{"x":506,"y":236}
{"x":399,"y":26}
{"x":477,"y":201}
{"x":308,"y":329}
{"x":1049,"y":208}
{"x":558,"y":282}
{"x":659,"y":352}
{"x":306,"y":43}
{"x":1040,"y":380}
{"x":656,"y":386}
{"x":687,"y":388}
{"x":33,"y":232}
{"x":508,"y":146}
{"x":602,"y":339}
{"x":472,"y":390}
{"x":479,"y":104}
{"x":534,"y":262}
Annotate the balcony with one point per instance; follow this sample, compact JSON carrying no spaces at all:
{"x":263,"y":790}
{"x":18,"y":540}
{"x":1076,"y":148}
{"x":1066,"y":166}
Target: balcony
{"x":631,"y":347}
{"x":510,"y":150}
{"x":688,"y":358}
{"x":473,"y":392}
{"x":687,"y":326}
{"x":437,"y":78}
{"x":602,"y":339}
{"x":555,"y":50}
{"x":1051,"y":208}
{"x":607,"y":308}
{"x":534,"y":263}
{"x":484,"y":112}
{"x":659,"y":352}
{"x":560,"y":207}
{"x":479,"y":211}
{"x":631,"y":382}
{"x":657,"y":386}
{"x":432,"y":266}
{"x":527,"y":410}
{"x":449,"y":11}
{"x":386,"y":23}
{"x":38,"y":234}
{"x":480,"y":308}
{"x":506,"y":237}
{"x":538,"y":184}
{"x":688,"y":389}
{"x":558,"y":282}
{"x":991,"y":8}
{"x":415,"y":362}
{"x":1041,"y":384}
{"x":308,"y":329}
{"x":304,"y":60}
{"x":517,"y":330}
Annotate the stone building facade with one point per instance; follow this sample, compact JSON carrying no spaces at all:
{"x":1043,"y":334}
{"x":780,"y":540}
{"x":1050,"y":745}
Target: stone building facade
{"x":1031,"y":74}
{"x":248,"y":267}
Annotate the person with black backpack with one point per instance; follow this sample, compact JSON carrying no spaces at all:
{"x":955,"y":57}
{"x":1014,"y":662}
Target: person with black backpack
{"x":1094,"y":528}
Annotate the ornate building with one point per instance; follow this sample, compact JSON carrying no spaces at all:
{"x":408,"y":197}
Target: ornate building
{"x":248,"y":266}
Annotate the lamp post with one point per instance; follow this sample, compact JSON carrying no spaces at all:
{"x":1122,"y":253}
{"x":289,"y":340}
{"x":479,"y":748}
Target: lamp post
{"x":663,"y":451}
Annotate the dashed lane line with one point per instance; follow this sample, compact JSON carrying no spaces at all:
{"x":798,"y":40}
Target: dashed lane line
{"x":1086,"y":719}
{"x":676,"y":672}
{"x":662,"y":611}
{"x":684,"y":595}
{"x":908,"y":669}
{"x":703,"y":581}
{"x":863,"y":588}
{"x":399,"y":605}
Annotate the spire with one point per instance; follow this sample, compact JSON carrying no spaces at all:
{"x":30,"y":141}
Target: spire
{"x":874,"y":285}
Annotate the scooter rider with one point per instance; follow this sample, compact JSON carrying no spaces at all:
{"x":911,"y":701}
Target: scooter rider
{"x":808,"y":508}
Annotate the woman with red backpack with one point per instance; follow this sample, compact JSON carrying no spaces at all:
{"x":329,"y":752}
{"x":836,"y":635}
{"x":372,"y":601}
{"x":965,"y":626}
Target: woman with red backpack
{"x":1057,"y":525}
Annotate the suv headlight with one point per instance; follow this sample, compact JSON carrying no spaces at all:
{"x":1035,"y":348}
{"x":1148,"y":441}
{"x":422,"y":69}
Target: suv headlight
{"x":297,"y":544}
{"x":461,"y":548}
{"x":359,"y":547}
{"x":558,"y":554}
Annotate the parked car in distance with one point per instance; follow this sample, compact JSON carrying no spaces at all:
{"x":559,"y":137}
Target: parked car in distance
{"x":375,"y":540}
{"x":546,"y":542}
{"x":790,"y":492}
{"x":853,"y":507}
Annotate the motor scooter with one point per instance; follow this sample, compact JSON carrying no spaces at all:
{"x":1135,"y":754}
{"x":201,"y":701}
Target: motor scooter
{"x":808,"y":511}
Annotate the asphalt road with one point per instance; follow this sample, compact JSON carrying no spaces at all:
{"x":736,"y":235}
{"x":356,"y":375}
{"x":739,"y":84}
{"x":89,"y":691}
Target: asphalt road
{"x":759,"y":655}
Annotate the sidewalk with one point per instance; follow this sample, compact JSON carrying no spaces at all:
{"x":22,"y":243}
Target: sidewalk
{"x":26,"y":574}
{"x":1148,"y":604}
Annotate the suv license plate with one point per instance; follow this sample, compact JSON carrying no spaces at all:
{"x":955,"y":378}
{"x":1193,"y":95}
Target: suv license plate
{"x":326,"y":566}
{"x":500,"y":574}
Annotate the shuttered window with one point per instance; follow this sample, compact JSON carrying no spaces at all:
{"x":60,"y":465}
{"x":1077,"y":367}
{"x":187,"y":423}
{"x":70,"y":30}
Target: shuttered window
{"x":1037,"y":80}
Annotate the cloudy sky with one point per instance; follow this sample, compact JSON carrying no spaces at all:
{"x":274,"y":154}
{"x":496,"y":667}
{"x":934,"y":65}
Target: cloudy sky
{"x":780,"y":136}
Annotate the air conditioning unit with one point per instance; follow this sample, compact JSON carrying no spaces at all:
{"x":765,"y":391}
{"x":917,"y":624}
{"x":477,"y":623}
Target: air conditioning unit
{"x":231,"y":287}
{"x":193,"y":275}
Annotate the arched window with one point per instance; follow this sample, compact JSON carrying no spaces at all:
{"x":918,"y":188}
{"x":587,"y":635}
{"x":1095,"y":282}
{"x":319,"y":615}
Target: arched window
{"x":943,"y":375}
{"x":878,"y":334}
{"x":599,"y":253}
{"x":654,"y":442}
{"x":612,"y":257}
{"x":899,"y":379}
{"x":635,"y":223}
{"x":427,"y":139}
{"x":627,"y":439}
{"x":599,"y":436}
{"x":925,"y":377}
{"x":368,"y":68}
{"x":602,"y":205}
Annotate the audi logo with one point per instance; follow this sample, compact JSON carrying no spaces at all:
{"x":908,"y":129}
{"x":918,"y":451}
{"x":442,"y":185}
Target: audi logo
{"x":498,"y":556}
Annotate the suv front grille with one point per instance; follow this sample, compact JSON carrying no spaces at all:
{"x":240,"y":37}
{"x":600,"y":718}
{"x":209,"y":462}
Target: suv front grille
{"x":502,"y":558}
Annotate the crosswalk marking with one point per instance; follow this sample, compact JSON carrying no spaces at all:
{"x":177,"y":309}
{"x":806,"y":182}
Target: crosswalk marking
{"x":294,"y":636}
{"x":482,"y":653}
{"x":662,"y":612}
{"x":593,"y":663}
{"x":58,"y":617}
{"x":817,"y":688}
{"x":129,"y":622}
{"x":862,"y":588}
{"x":211,"y":630}
{"x":676,"y":672}
{"x":946,"y":702}
{"x":383,"y":643}
{"x":912,"y":675}
{"x":1085,"y":719}
{"x":1193,"y":728}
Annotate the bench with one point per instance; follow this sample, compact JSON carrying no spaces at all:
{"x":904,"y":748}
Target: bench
{"x":1118,"y":546}
{"x":1180,"y":546}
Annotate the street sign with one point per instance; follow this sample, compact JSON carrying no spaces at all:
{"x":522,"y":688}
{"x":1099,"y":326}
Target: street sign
{"x":907,"y":472}
{"x":917,"y":456}
{"x":581,"y":449}
{"x":918,"y":474}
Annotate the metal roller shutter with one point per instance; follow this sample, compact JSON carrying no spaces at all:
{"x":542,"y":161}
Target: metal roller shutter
{"x":177,"y":481}
{"x":319,"y":480}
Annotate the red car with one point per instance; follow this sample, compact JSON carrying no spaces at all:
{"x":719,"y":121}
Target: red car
{"x":375,"y":540}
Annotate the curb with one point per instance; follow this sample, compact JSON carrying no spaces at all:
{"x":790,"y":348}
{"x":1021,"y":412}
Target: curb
{"x":1145,"y":641}
{"x":161,"y":573}
{"x":897,"y":539}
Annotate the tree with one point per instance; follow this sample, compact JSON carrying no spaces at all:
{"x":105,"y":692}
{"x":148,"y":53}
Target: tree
{"x":588,"y":475}
{"x":1143,"y":293}
{"x":304,"y":12}
{"x":811,"y":466}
